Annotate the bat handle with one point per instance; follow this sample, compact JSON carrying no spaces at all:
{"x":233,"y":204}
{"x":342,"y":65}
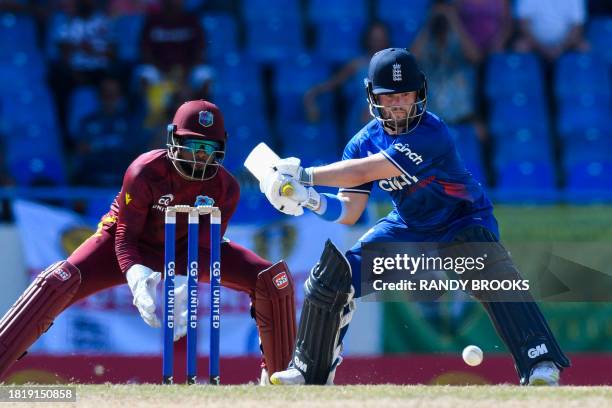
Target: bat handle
{"x":287,"y":190}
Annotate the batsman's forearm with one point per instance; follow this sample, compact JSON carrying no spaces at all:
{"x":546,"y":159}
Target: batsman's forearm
{"x":345,"y":173}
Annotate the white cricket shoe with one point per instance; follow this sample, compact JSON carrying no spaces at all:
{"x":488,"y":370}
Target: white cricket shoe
{"x":264,"y":379}
{"x":292,"y":376}
{"x":544,"y":373}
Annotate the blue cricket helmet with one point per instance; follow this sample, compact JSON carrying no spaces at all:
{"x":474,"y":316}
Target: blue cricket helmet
{"x":391,"y":71}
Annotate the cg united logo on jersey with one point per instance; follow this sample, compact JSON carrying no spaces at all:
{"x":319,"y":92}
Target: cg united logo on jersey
{"x":281,"y":281}
{"x":163,"y":202}
{"x":206,"y":118}
{"x":165,"y":199}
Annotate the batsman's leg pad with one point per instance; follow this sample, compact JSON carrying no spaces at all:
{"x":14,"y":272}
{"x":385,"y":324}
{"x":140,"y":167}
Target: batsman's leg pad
{"x":520,"y":324}
{"x":327,"y":292}
{"x":33,"y":313}
{"x":274,"y":312}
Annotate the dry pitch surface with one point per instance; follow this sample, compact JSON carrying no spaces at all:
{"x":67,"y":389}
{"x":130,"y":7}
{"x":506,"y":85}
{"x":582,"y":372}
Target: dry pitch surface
{"x":386,"y":396}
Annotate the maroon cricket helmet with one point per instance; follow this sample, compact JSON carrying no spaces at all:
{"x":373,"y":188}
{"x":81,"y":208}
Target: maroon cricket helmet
{"x":200,"y":118}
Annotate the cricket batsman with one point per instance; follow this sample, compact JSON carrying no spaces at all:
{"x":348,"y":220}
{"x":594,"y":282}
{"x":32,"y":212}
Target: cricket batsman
{"x":129,"y":246}
{"x":408,"y":152}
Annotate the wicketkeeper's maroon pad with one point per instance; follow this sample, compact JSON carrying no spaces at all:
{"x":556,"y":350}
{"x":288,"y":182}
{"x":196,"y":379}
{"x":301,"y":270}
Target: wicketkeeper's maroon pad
{"x":33,"y":313}
{"x":275,"y":315}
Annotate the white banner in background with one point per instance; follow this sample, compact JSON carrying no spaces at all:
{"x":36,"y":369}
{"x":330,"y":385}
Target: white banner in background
{"x":108,"y":323}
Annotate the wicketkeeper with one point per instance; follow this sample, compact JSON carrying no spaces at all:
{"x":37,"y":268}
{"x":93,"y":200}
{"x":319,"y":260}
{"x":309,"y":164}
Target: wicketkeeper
{"x":129,"y":245}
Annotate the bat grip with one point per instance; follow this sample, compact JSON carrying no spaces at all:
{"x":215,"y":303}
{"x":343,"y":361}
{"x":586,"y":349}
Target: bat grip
{"x":287,"y":190}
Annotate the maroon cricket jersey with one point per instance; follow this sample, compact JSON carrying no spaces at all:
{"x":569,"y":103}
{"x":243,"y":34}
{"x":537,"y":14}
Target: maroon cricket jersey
{"x":151,"y":183}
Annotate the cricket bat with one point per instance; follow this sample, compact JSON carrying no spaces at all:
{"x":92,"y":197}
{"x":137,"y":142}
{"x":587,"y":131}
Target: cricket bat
{"x":259,"y":162}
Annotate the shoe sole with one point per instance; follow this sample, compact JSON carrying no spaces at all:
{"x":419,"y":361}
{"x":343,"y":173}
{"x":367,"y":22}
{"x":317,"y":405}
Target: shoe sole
{"x":539,"y":382}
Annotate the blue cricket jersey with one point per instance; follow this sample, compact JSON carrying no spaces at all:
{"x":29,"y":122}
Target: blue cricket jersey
{"x":435,"y":189}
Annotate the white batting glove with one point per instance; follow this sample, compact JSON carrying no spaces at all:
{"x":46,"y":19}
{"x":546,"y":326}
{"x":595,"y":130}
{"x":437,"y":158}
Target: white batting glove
{"x":180,"y":306}
{"x":143,"y":282}
{"x":291,"y":167}
{"x":272,"y":185}
{"x":292,"y":204}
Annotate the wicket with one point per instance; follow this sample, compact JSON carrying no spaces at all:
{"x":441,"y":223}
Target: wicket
{"x":194,"y":214}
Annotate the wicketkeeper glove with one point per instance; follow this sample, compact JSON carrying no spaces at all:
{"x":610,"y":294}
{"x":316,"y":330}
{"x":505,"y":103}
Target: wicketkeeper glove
{"x":180,"y":305}
{"x":143,"y":282}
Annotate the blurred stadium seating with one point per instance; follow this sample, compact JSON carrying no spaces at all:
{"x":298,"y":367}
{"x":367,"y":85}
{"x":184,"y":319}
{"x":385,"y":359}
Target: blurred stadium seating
{"x":221,"y":33}
{"x":17,"y":33}
{"x":314,"y":144}
{"x":511,"y":73}
{"x":470,"y":149}
{"x":128,"y":28}
{"x":589,"y":181}
{"x":599,"y":34}
{"x":324,"y":10}
{"x":272,"y":39}
{"x":404,"y":22}
{"x":83,"y":101}
{"x":293,"y":77}
{"x":267,"y":54}
{"x":583,"y":88}
{"x":342,"y":35}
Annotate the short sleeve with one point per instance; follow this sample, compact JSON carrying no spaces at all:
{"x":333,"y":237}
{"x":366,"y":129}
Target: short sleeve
{"x":412,"y":155}
{"x":353,"y":151}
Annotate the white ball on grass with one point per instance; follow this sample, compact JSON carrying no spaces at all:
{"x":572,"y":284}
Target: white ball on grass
{"x":472,"y":355}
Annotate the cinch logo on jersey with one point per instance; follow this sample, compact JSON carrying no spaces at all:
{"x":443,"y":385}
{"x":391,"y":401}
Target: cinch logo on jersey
{"x":537,"y":351}
{"x":405,"y":148}
{"x":163,"y":202}
{"x":397,"y":183}
{"x":281,"y":281}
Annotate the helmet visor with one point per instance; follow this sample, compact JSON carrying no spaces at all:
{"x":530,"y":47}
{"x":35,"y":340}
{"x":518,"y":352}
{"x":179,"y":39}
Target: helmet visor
{"x":207,"y":146}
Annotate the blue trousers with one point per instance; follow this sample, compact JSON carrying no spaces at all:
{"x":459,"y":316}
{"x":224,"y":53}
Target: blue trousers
{"x":520,"y":325}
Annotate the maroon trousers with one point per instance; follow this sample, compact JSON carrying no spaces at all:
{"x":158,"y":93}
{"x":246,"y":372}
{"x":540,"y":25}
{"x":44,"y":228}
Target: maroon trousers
{"x":93,"y":266}
{"x":96,"y":261}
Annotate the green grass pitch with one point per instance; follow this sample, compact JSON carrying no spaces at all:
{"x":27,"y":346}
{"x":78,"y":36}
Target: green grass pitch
{"x":500,"y":396}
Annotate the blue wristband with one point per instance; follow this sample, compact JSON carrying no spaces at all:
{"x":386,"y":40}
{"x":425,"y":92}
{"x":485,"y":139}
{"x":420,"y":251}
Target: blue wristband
{"x":331,"y":208}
